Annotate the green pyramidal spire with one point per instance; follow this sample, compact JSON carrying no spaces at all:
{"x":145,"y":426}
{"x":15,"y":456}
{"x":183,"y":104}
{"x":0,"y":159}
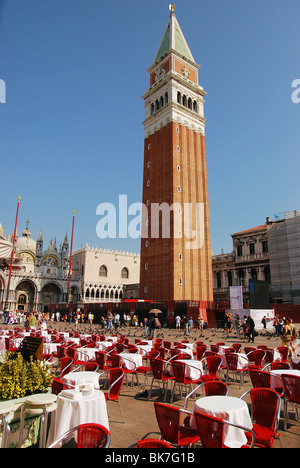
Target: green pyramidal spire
{"x":173,"y":39}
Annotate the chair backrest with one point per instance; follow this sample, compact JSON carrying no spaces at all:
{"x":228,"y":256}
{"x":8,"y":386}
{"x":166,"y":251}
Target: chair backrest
{"x":179,"y":371}
{"x":100,"y":359}
{"x":216,"y":387}
{"x":157,"y":367}
{"x":153,"y":443}
{"x":276,"y":365}
{"x":247,"y":349}
{"x":167,"y":344}
{"x":269,"y":357}
{"x":66,"y":365}
{"x":266,"y":406}
{"x":237,"y":346}
{"x":116,"y":376}
{"x":57,"y":386}
{"x":292,"y":387}
{"x":213,"y":364}
{"x":210,"y":429}
{"x":162,"y":352}
{"x":260,"y":378}
{"x":92,"y":436}
{"x":284,"y":351}
{"x":259,"y":355}
{"x":232,"y":361}
{"x":295,"y":364}
{"x":60,"y":351}
{"x":215,"y":348}
{"x":91,"y":366}
{"x":200,"y":350}
{"x":71,"y":352}
{"x":115,"y":360}
{"x":168,"y":420}
{"x":152,"y":354}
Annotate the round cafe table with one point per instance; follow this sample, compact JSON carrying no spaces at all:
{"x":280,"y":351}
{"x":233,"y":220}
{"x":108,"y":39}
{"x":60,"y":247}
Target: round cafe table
{"x":75,"y":408}
{"x":229,"y":408}
{"x":82,"y":378}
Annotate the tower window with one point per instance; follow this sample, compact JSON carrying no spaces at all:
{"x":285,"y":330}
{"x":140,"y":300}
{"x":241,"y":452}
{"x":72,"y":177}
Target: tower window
{"x":180,"y":281}
{"x":179,"y":97}
{"x":148,"y":183}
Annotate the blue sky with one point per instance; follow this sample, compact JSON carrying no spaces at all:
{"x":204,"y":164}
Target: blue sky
{"x":71,"y":133}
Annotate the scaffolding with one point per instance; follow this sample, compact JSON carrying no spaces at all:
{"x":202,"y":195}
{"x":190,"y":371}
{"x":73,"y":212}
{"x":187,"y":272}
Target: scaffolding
{"x":284,"y":250}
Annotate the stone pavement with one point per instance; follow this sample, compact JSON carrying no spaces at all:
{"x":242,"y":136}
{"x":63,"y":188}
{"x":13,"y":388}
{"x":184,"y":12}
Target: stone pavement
{"x":139,"y":414}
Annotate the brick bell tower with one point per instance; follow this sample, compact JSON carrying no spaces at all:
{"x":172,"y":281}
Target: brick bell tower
{"x":176,"y":261}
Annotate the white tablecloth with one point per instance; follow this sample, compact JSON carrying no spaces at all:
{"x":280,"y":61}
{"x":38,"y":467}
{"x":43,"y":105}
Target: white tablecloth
{"x":81,"y":378}
{"x":103,"y":345}
{"x":84,"y":409}
{"x":131,"y":361}
{"x":231,"y":409}
{"x":276,"y":380}
{"x":144,"y":349}
{"x":49,"y":348}
{"x":85,"y":354}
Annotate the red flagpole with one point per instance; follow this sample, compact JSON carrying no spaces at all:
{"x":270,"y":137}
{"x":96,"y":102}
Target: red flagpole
{"x":70,"y":262}
{"x":13,"y":249}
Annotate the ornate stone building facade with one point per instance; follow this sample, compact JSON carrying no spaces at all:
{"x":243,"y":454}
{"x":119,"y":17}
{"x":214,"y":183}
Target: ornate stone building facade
{"x":104,"y":273}
{"x":248,"y":260}
{"x":39,"y":276}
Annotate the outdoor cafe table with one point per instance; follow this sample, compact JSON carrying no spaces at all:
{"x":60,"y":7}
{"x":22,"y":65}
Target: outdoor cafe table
{"x":75,"y":408}
{"x":131,"y":360}
{"x":276,"y":381}
{"x":82,"y":378}
{"x":231,"y":409}
{"x":85,"y":354}
{"x":143,"y":349}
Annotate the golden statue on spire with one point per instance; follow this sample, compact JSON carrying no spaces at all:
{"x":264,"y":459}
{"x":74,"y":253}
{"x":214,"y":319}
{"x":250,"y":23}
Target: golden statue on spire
{"x":172,"y":7}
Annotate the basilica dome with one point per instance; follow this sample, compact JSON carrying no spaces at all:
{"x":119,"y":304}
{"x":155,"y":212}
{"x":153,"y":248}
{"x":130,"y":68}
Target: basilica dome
{"x":26,"y":243}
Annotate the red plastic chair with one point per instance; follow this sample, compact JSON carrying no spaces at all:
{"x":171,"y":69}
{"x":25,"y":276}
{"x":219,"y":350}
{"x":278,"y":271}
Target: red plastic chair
{"x":295,"y":364}
{"x":66,"y":365}
{"x":91,"y":366}
{"x":116,"y":377}
{"x":232,"y":366}
{"x":291,"y":385}
{"x":211,"y":431}
{"x":284,"y":351}
{"x":200,"y":350}
{"x":260,"y":379}
{"x":57,"y":386}
{"x":88,"y":436}
{"x":256,"y":357}
{"x":145,"y":369}
{"x":277,"y":365}
{"x":9,"y":347}
{"x":152,"y":443}
{"x":168,"y":419}
{"x":237,"y":347}
{"x":213,"y":364}
{"x":160,"y":374}
{"x":213,"y":387}
{"x":266,"y":405}
{"x":180,"y":378}
{"x":100,"y":359}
